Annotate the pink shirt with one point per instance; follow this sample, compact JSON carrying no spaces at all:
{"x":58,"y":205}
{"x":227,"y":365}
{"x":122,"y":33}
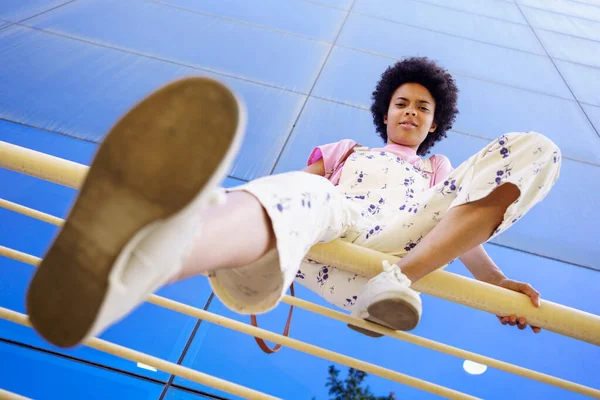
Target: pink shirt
{"x":333,"y":152}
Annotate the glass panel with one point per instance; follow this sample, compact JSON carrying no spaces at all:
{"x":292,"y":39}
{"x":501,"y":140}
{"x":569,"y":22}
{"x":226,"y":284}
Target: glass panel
{"x":289,"y":374}
{"x":78,"y":95}
{"x":594,"y":114}
{"x":562,"y":23}
{"x":296,"y":16}
{"x":574,"y":8}
{"x":72,"y":88}
{"x":459,"y":23}
{"x":40,"y":375}
{"x":459,"y":147}
{"x":569,"y":48}
{"x":583,"y":80}
{"x":504,"y":10}
{"x":350,"y":76}
{"x":173,"y":393}
{"x":231,"y":182}
{"x":486,"y":109}
{"x":489,"y":110}
{"x":16,"y":11}
{"x":271,"y":115}
{"x":326,"y":122}
{"x":502,"y":65}
{"x":61,"y":146}
{"x":294,"y":375}
{"x":591,"y":2}
{"x":217,"y":44}
{"x":343,"y":4}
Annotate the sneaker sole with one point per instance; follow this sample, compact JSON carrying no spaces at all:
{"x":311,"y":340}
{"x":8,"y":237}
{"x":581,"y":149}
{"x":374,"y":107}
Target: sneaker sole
{"x":395,"y":314}
{"x":153,"y":162}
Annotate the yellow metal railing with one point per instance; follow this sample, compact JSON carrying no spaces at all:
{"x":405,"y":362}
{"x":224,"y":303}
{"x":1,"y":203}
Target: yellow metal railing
{"x":4,"y":395}
{"x":550,"y":316}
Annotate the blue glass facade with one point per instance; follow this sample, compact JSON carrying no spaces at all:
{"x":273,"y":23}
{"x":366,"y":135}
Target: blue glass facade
{"x":306,"y":70}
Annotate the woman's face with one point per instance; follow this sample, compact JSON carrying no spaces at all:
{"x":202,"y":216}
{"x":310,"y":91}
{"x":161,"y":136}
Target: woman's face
{"x":410,"y":115}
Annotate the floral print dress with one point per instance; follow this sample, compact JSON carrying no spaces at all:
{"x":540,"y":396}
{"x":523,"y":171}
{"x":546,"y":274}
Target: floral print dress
{"x":382,"y":202}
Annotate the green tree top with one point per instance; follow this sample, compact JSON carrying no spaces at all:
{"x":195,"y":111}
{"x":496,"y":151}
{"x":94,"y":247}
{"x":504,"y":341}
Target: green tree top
{"x":352,"y":387}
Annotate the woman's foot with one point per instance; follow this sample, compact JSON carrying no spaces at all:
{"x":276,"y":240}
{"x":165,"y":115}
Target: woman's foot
{"x":388,"y":300}
{"x":137,"y":212}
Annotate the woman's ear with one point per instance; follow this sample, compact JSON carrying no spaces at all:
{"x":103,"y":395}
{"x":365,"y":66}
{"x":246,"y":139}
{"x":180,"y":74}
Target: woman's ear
{"x":433,"y":127}
{"x":385,"y":119}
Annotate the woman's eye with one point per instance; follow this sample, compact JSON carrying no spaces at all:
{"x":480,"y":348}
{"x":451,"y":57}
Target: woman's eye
{"x":425,"y":108}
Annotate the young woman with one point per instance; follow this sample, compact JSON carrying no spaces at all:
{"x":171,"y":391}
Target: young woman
{"x":149,"y":214}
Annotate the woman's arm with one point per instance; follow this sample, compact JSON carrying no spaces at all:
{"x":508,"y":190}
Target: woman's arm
{"x":482,"y":266}
{"x":485,"y":269}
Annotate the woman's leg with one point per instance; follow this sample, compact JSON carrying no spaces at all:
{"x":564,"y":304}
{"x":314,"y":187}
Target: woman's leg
{"x":479,"y":200}
{"x":233,"y":234}
{"x":339,"y":287}
{"x":483,"y":197}
{"x":461,"y":229}
{"x":252,"y":254}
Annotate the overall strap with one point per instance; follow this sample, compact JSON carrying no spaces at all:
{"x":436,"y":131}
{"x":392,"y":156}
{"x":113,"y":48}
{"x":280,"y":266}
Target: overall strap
{"x":426,"y":165}
{"x":343,"y":159}
{"x":286,"y":330}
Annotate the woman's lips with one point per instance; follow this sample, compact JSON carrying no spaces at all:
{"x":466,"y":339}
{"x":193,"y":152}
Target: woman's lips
{"x":408,"y":124}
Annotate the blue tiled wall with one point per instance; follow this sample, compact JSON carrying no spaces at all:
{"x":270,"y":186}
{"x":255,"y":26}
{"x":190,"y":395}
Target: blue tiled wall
{"x":306,"y":70}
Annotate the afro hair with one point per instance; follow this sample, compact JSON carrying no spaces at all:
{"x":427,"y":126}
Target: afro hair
{"x":425,"y":72}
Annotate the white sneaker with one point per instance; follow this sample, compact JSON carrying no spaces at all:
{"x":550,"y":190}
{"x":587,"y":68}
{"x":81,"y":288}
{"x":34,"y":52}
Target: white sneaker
{"x":136,"y":215}
{"x":388,"y":300}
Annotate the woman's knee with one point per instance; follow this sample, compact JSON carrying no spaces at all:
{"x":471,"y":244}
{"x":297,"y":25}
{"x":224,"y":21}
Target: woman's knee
{"x":531,"y":145}
{"x":503,"y":196}
{"x":538,"y":142}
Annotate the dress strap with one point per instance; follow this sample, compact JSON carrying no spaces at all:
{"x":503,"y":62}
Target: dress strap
{"x":343,"y":159}
{"x":426,"y":165}
{"x":286,"y":330}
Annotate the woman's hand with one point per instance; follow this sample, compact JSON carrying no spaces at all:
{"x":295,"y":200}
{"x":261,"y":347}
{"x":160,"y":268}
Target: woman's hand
{"x":521,"y":287}
{"x":484,"y":269}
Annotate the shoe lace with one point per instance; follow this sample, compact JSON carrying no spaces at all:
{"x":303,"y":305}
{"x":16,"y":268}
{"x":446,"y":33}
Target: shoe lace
{"x":396,"y":272}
